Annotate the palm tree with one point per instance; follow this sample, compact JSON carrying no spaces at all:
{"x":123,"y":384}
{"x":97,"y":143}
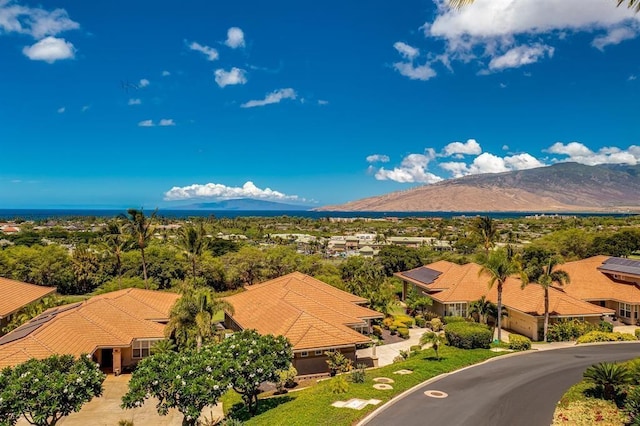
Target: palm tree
{"x":482,"y":308}
{"x":499,"y":267}
{"x":609,"y":378}
{"x":436,"y":340}
{"x":116,"y":244}
{"x":546,"y":280}
{"x":486,"y":228}
{"x":191,"y":317}
{"x":141,"y":229}
{"x":192,"y":240}
{"x":457,"y":4}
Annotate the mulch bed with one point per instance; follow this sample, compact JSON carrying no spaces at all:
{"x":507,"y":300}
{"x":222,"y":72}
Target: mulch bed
{"x":387,"y":338}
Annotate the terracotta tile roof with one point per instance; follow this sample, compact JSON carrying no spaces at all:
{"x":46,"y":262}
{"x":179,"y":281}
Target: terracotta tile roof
{"x":16,"y":294}
{"x":109,"y":320}
{"x":589,"y":283}
{"x":464,"y":283}
{"x":310,"y":313}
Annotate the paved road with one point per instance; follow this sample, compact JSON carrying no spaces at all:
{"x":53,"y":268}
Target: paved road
{"x":520,"y":390}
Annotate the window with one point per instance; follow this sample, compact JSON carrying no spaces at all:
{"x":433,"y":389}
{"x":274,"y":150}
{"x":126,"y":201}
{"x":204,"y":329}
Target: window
{"x":304,"y":354}
{"x":318,"y":353}
{"x":625,"y":310}
{"x":142,"y":348}
{"x":456,"y":310}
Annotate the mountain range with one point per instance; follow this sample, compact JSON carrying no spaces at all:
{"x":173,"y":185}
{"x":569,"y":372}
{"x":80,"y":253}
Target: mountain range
{"x":562,"y":187}
{"x":246,"y":204}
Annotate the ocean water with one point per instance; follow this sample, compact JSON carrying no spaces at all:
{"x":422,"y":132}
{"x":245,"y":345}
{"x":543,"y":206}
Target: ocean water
{"x":40,"y":214}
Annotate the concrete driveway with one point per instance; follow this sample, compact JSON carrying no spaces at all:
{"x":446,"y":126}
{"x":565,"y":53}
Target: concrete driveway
{"x":106,"y":409}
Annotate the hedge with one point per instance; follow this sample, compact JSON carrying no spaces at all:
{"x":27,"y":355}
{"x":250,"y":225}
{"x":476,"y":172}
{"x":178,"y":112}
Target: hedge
{"x":601,"y":336}
{"x":519,"y":343}
{"x":451,"y":320}
{"x":403,"y":332}
{"x":468,"y":335}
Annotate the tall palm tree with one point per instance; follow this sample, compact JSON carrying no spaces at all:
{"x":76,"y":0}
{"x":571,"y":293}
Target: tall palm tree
{"x":482,"y":308}
{"x":116,"y":243}
{"x":191,"y":317}
{"x":192,"y":240}
{"x":549,"y":277}
{"x":141,"y":229}
{"x":457,"y":4}
{"x":498,"y":266}
{"x":486,"y":228}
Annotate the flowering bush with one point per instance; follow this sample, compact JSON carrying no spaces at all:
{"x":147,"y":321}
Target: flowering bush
{"x":46,"y":390}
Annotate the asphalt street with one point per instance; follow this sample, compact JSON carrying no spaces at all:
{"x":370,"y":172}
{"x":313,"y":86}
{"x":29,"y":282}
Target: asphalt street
{"x":519,"y":390}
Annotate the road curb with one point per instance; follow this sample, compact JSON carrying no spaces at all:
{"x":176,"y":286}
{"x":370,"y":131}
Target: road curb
{"x":401,"y":396}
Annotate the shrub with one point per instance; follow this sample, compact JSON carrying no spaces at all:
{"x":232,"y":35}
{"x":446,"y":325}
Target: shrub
{"x":404,"y":321}
{"x":421,"y":322}
{"x":605,"y":326}
{"x":377,"y":330}
{"x":430,"y":315}
{"x":415,"y":348}
{"x":393,"y":330}
{"x":451,"y":320}
{"x":436,"y":324}
{"x":337,"y":362}
{"x":632,"y":405}
{"x":468,"y":335}
{"x":286,"y":378}
{"x":124,"y":422}
{"x":232,"y":422}
{"x":387,"y":322}
{"x":637,"y":333}
{"x":339,"y":385}
{"x":601,"y":336}
{"x":358,"y":375}
{"x":519,"y":343}
{"x":563,"y":331}
{"x":403,"y":332}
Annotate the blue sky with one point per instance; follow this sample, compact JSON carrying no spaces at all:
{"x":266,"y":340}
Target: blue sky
{"x":152,"y":104}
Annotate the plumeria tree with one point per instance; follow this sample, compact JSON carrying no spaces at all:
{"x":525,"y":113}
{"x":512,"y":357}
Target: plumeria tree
{"x":250,"y":359}
{"x":187,"y":381}
{"x":44,"y":391}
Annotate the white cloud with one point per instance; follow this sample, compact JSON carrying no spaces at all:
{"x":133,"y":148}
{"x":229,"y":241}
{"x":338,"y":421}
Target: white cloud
{"x":36,"y":22}
{"x":412,"y":169}
{"x":232,"y":77}
{"x":489,"y":163}
{"x":488,"y":31}
{"x":272,"y":98}
{"x":235,"y":38}
{"x":86,"y":108}
{"x":134,"y":101}
{"x":209,"y":52}
{"x":166,"y":73}
{"x":521,"y":55}
{"x":420,"y":72}
{"x":61,"y":110}
{"x":166,"y":122}
{"x":50,"y":49}
{"x":407,"y":52}
{"x":144,"y":83}
{"x":323,"y":102}
{"x":217,"y":190}
{"x":505,"y":147}
{"x":632,"y":77}
{"x":146,"y":123}
{"x":377,"y":158}
{"x":579,"y":153}
{"x":470,"y":147}
{"x":614,"y":36}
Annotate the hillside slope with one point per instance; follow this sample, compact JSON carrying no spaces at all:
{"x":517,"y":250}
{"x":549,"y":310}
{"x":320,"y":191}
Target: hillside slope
{"x":561,"y":187}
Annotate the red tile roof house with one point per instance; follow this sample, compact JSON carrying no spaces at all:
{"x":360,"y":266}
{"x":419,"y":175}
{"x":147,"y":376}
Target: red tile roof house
{"x":315,"y":316}
{"x":15,"y":295}
{"x":452,"y":287}
{"x":116,"y":328}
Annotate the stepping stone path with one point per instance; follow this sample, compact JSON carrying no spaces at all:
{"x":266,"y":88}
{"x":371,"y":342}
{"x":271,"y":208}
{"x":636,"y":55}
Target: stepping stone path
{"x":355,"y":403}
{"x":382,"y":386}
{"x":383,"y":380}
{"x":403,"y":372}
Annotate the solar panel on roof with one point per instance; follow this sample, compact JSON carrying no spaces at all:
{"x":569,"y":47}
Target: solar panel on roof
{"x":618,"y":264}
{"x":423,"y":275}
{"x":26,"y":329}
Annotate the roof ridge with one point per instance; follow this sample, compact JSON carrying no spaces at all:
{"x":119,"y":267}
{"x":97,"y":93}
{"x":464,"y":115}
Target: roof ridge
{"x":85,"y":316}
{"x":300,"y":312}
{"x":133,"y":295}
{"x":322,"y":304}
{"x":314,"y":283}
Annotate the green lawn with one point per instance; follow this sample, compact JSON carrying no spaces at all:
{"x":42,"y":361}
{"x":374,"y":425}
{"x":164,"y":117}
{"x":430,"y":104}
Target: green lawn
{"x":312,"y":406}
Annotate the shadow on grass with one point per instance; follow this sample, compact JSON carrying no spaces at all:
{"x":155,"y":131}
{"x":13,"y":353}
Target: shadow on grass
{"x":433,"y":358}
{"x":240,"y":412}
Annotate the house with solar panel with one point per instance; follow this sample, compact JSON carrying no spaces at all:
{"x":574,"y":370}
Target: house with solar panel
{"x":598,"y":288}
{"x":117,"y":329}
